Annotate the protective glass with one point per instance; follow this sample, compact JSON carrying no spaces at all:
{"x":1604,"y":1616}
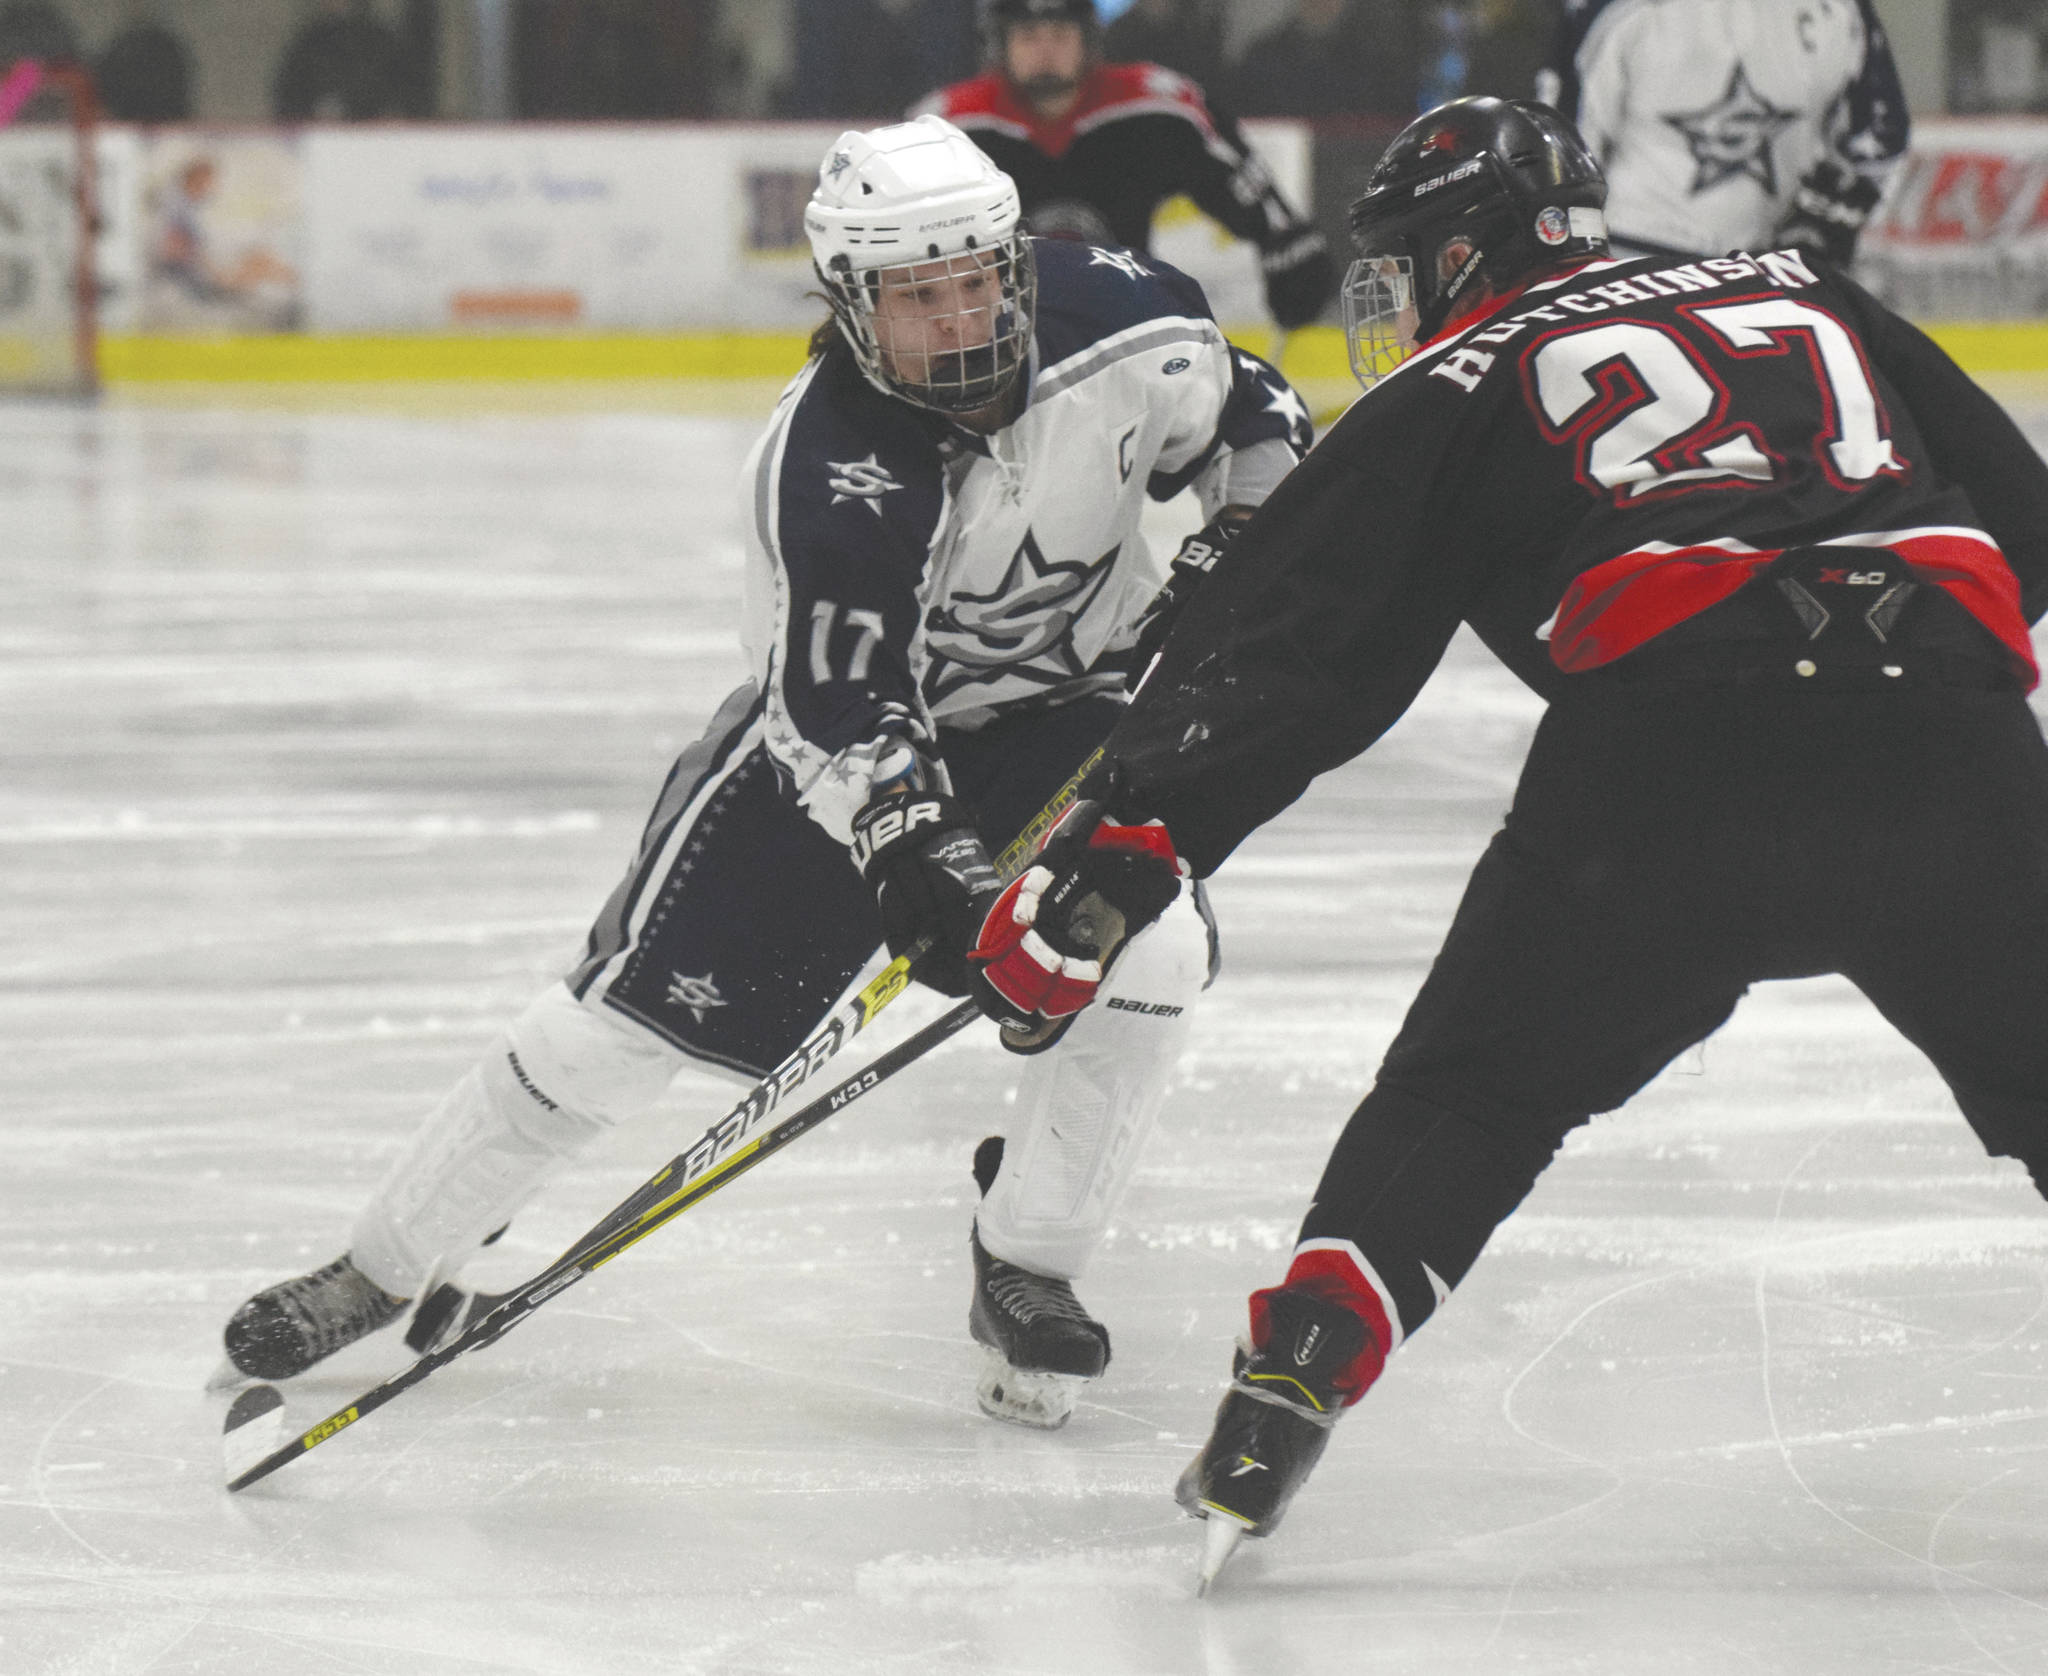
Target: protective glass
{"x":948,"y":334}
{"x":1379,"y":315}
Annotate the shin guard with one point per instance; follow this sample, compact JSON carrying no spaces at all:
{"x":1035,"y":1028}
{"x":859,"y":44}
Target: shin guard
{"x":557,"y":1079}
{"x":1087,"y":1102}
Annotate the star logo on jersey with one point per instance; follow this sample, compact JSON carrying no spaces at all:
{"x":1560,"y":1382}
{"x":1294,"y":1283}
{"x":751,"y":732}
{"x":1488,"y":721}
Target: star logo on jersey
{"x":1285,"y":402}
{"x":1733,"y":136}
{"x":1121,"y":260}
{"x":863,"y":480}
{"x":1024,"y":628}
{"x":700,"y":995}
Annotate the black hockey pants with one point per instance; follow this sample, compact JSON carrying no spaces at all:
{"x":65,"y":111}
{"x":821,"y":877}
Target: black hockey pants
{"x":1666,"y":848}
{"x":740,"y":919}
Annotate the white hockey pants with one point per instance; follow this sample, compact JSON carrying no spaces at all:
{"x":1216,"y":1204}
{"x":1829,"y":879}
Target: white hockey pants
{"x":566,"y":1071}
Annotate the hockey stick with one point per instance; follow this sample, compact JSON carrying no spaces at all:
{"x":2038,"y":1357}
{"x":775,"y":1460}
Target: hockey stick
{"x":846,"y":1022}
{"x":727,"y":1150}
{"x":659,"y":1201}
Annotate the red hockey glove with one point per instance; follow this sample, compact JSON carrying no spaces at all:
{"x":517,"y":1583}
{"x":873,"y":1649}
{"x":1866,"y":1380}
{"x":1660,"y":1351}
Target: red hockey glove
{"x":1050,"y":937}
{"x":924,"y":860}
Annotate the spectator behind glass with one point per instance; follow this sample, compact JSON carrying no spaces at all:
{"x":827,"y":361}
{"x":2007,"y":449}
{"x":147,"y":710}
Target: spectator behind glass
{"x":1508,"y":44}
{"x":1184,"y":35}
{"x":145,"y":71}
{"x":945,"y":38}
{"x":854,"y":58}
{"x":1485,"y":46}
{"x":35,"y":29}
{"x":1997,"y":55}
{"x":346,"y":63}
{"x":1333,"y":58}
{"x":618,"y":59}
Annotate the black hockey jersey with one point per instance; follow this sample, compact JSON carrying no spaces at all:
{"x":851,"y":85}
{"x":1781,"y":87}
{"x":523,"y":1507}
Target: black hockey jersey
{"x":1594,"y":469}
{"x":1138,"y":135}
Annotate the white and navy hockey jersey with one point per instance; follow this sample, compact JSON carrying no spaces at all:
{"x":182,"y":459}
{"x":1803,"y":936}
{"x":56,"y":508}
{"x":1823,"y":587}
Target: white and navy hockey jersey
{"x":1706,"y":114}
{"x":904,"y":572}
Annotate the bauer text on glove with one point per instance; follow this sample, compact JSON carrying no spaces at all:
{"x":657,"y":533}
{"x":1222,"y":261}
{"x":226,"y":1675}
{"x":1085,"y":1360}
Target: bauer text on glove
{"x":920,"y":853}
{"x":1051,"y":936}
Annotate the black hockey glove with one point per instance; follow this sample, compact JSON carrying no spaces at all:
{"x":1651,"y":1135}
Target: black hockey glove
{"x":1828,"y":211}
{"x":1196,"y":558}
{"x":1051,"y":936}
{"x":1300,"y":279}
{"x":920,"y":854}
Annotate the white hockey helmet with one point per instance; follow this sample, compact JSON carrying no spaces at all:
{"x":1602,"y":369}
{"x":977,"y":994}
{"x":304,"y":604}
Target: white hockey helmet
{"x":917,"y":238}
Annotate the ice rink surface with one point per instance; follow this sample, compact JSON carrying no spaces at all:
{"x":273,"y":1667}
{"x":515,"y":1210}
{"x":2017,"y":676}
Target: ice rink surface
{"x":326,"y":732}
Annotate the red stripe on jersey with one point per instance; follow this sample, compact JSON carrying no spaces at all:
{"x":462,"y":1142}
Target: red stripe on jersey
{"x":1332,"y":1276}
{"x":1107,"y":92}
{"x":1615,"y":607}
{"x":1970,"y":565}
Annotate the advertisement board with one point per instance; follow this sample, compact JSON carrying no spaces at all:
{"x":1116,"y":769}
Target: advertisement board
{"x":495,"y":229}
{"x":1962,"y":233}
{"x":218,"y":227}
{"x":536,"y":229}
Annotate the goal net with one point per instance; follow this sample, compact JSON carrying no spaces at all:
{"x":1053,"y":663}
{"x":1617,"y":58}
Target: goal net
{"x":48,"y":341}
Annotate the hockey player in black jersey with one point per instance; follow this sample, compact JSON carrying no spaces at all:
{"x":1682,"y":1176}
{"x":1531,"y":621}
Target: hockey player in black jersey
{"x":1773,"y":560}
{"x":1096,"y":148}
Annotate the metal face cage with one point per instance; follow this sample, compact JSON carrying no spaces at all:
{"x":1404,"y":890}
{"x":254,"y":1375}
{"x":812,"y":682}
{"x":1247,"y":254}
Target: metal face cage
{"x":950,"y":333}
{"x":1380,"y":320}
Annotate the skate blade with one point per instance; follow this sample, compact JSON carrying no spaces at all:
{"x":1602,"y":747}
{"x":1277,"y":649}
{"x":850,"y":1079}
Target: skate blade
{"x":254,"y":1429}
{"x":1043,"y":1401}
{"x":228,"y":1377}
{"x":1221,"y":1533}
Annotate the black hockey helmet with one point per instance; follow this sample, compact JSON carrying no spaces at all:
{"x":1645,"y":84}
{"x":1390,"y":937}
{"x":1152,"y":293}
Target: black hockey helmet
{"x":1479,"y":189}
{"x":996,"y":17}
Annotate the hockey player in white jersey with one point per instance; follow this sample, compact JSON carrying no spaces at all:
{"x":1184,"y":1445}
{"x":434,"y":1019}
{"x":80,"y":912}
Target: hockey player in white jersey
{"x":946,"y":594}
{"x":1732,"y":124}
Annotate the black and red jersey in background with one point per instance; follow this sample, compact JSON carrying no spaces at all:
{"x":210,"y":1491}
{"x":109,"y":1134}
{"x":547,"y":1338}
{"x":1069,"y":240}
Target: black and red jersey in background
{"x":1615,"y":460}
{"x":1137,"y":135}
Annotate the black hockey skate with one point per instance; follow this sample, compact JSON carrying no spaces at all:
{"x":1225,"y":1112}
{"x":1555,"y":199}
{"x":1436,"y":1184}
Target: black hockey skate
{"x":1272,"y":1424}
{"x":286,"y":1328}
{"x":1042,"y":1345}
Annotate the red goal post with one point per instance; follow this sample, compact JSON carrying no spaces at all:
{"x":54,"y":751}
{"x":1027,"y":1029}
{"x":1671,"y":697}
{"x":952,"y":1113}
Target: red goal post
{"x":49,"y":338}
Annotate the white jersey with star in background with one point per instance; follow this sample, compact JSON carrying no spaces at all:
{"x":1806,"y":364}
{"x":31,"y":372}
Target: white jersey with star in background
{"x":1705,"y":114}
{"x":905,"y":573}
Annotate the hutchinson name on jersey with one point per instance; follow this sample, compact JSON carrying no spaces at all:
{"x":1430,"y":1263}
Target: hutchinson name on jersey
{"x":1616,"y":453}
